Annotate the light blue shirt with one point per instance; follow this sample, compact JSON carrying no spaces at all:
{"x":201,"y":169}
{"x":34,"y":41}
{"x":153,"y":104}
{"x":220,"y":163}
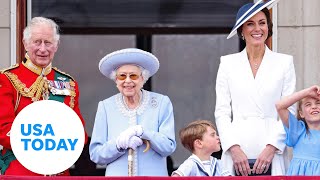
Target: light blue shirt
{"x":193,"y":166}
{"x":155,"y":115}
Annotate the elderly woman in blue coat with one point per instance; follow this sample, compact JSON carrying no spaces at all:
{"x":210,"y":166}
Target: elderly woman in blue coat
{"x":124,"y":120}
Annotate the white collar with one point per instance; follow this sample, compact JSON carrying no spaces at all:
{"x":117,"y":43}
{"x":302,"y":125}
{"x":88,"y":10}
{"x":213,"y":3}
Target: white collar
{"x":145,"y":95}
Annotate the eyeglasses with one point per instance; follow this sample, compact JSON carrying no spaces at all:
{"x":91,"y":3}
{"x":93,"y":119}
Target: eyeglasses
{"x":122,"y":77}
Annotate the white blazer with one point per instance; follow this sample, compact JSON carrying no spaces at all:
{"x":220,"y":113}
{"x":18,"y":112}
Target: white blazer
{"x":245,"y":106}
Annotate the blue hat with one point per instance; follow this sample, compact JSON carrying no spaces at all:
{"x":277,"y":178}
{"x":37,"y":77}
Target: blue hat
{"x":133,"y":56}
{"x":249,"y":10}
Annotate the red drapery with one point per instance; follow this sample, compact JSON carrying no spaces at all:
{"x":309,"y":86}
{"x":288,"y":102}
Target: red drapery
{"x":165,"y":178}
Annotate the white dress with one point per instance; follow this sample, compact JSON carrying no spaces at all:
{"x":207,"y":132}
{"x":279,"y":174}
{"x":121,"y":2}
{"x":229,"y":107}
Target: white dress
{"x":245,"y":106}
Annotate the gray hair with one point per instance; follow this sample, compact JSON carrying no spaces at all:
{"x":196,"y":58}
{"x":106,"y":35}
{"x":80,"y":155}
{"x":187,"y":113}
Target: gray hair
{"x":41,"y":21}
{"x":144,"y":72}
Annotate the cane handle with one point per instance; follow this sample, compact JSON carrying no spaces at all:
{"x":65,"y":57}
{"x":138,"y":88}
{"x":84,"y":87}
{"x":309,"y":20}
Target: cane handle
{"x":147,"y":145}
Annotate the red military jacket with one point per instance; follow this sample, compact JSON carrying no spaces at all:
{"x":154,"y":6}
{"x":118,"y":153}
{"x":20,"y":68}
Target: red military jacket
{"x":14,"y":84}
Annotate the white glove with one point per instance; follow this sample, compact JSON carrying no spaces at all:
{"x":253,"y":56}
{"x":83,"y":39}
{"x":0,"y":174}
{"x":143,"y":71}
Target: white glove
{"x":138,"y":130}
{"x":135,"y":142}
{"x":122,"y":141}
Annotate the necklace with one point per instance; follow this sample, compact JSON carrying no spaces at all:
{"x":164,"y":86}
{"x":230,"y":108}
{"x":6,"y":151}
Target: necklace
{"x":255,"y":66}
{"x":126,"y":105}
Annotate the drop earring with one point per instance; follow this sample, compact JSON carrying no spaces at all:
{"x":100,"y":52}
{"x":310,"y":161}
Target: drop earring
{"x":242,"y":36}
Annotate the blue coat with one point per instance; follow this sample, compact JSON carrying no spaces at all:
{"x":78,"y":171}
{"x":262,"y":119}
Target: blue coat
{"x":155,"y":114}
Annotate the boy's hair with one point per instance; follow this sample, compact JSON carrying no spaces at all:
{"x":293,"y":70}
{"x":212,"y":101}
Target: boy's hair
{"x":194,"y":131}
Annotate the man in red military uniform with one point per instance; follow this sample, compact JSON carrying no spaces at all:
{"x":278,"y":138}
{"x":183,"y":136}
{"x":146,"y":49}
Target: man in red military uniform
{"x":32,"y":80}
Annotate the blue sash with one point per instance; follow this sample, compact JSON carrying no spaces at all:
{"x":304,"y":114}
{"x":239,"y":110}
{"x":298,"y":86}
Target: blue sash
{"x":5,"y":160}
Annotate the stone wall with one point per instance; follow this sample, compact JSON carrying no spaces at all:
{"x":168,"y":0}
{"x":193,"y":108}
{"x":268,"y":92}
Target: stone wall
{"x":299,"y":35}
{"x":4,"y":33}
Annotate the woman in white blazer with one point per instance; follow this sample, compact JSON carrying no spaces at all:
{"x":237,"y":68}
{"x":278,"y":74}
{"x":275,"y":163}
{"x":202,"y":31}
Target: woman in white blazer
{"x":247,"y":87}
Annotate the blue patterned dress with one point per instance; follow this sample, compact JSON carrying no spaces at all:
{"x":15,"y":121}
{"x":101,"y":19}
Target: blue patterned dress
{"x":306,"y":148}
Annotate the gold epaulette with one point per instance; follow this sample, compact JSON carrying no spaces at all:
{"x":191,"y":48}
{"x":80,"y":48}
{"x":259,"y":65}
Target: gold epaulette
{"x":34,"y":91}
{"x":56,"y":69}
{"x":9,"y":68}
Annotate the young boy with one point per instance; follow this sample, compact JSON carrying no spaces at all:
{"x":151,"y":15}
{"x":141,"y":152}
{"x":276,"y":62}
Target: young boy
{"x":200,"y":138}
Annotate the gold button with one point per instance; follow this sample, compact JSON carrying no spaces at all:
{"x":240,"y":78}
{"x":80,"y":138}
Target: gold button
{"x":26,"y":90}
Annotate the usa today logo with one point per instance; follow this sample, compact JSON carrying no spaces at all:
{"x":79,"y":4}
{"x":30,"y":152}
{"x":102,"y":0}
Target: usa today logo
{"x":47,"y":137}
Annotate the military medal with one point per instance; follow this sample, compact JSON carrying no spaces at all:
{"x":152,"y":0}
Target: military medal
{"x":61,"y":87}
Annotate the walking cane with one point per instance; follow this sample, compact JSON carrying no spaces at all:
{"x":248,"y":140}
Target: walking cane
{"x":130,"y":162}
{"x":130,"y":156}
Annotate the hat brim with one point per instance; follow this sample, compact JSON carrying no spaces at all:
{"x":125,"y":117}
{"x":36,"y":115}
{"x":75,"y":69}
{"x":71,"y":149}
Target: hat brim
{"x":244,"y":19}
{"x":133,"y":56}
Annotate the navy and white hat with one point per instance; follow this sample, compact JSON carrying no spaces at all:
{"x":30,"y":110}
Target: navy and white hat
{"x":133,"y":56}
{"x":249,"y":10}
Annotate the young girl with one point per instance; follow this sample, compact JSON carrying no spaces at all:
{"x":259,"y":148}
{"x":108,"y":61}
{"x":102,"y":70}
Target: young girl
{"x":303,"y":132}
{"x":201,"y":139}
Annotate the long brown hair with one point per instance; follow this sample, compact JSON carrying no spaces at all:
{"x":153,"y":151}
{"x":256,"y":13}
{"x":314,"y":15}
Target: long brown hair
{"x":269,"y":23}
{"x":299,"y":109}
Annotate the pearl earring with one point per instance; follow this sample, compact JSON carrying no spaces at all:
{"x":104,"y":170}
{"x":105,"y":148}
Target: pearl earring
{"x":242,"y":36}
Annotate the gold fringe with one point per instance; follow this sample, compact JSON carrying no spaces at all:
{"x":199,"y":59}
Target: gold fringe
{"x":39,"y":88}
{"x":71,"y":104}
{"x":72,"y":93}
{"x":9,"y":68}
{"x":17,"y":101}
{"x":34,"y":91}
